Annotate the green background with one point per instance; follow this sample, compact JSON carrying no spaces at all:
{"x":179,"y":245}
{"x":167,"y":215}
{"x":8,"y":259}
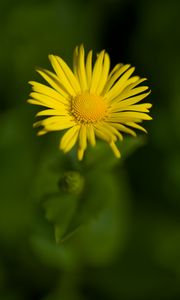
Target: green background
{"x":119,"y":236}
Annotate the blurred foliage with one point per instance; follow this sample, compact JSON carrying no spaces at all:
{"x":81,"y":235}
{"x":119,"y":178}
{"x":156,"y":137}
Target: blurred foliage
{"x":101,"y":229}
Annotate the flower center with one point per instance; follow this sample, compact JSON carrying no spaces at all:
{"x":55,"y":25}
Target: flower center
{"x":88,"y":108}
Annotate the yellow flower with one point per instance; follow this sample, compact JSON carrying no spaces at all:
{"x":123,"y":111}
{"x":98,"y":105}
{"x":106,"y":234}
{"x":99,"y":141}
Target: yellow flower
{"x":90,"y":102}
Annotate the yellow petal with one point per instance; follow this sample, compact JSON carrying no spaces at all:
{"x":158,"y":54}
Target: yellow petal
{"x":61,"y":75}
{"x":115,"y":149}
{"x":113,"y":130}
{"x":75,"y":61}
{"x":55,"y":123}
{"x":134,"y":79}
{"x":38,"y":102}
{"x":133,"y":82}
{"x":101,"y":134}
{"x":35,"y":102}
{"x":82,"y":142}
{"x":119,"y":85}
{"x":69,"y":75}
{"x":45,"y":90}
{"x":97,"y":71}
{"x":124,"y":129}
{"x":139,"y":107}
{"x":130,"y":93}
{"x":116,"y":67}
{"x":81,"y":69}
{"x":48,"y":101}
{"x":50,"y":112}
{"x":132,"y":100}
{"x":89,"y":68}
{"x":115,"y":75}
{"x":110,"y":136}
{"x":91,"y":135}
{"x":69,"y":139}
{"x":83,"y":137}
{"x":59,"y":126}
{"x":80,"y":153}
{"x":41,"y":132}
{"x":51,"y":120}
{"x":119,"y":134}
{"x":131,"y":114}
{"x":104,"y":74}
{"x":134,"y":125}
{"x":53,"y":80}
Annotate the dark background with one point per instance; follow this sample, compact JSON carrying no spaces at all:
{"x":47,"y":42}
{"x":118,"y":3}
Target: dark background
{"x":146,"y":261}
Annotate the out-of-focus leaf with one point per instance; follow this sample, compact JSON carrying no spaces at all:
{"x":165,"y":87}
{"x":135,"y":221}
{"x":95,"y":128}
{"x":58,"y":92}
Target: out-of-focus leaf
{"x":93,"y":200}
{"x":54,"y":255}
{"x":59,"y":209}
{"x":105,"y":217}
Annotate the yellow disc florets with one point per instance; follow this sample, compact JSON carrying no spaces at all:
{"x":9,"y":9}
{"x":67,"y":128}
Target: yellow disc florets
{"x":88,"y":108}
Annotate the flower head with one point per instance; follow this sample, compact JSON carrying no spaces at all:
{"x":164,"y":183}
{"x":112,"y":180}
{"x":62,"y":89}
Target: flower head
{"x":90,"y":101}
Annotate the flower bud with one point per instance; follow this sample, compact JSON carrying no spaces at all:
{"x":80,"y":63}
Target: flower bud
{"x":71,"y":182}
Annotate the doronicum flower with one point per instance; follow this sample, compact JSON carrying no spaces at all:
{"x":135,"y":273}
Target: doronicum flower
{"x":90,"y":101}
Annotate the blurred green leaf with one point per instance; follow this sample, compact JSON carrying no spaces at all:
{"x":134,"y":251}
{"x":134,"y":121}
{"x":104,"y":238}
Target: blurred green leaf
{"x":59,"y":209}
{"x":104,"y":214}
{"x":54,"y":255}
